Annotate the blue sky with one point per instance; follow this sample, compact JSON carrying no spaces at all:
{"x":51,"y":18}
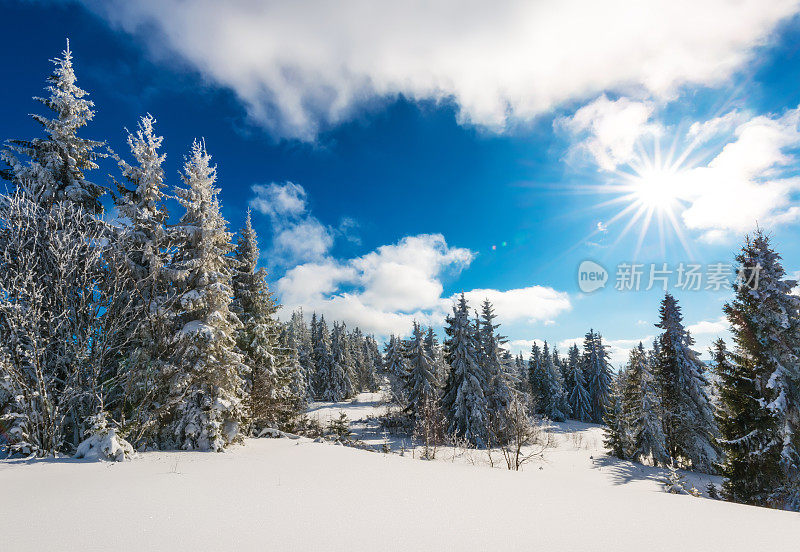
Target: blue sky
{"x":395,"y":155}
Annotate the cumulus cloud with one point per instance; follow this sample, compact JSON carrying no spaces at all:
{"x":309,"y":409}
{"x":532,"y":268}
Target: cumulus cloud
{"x":609,"y":130}
{"x":709,"y":327}
{"x":297,"y":236}
{"x":386,"y":289}
{"x":304,"y":65}
{"x":530,"y":304}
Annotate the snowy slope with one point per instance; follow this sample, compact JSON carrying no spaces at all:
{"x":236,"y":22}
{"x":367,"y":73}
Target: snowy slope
{"x":282,"y":494}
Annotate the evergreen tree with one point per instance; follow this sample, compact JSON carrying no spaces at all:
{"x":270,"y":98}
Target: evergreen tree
{"x":759,"y":385}
{"x":54,"y":168}
{"x":206,"y":387}
{"x":464,"y":400}
{"x":334,"y":375}
{"x":689,"y":427}
{"x":597,"y":372}
{"x":579,"y":400}
{"x":375,"y":359}
{"x":141,"y":244}
{"x":554,"y":400}
{"x":492,"y":360}
{"x":642,"y":410}
{"x":270,"y":399}
{"x":616,"y":439}
{"x":421,"y":379}
{"x":394,"y":364}
{"x":298,"y":338}
{"x":537,"y":379}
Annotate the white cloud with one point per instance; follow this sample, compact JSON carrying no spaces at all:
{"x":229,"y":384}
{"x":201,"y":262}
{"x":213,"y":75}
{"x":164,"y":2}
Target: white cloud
{"x":748,"y":180}
{"x":609,"y":130}
{"x":297,"y":236}
{"x":618,"y":349}
{"x":530,"y":304}
{"x":382,"y":291}
{"x":386,"y":289}
{"x":709,"y":327}
{"x":303,"y":65}
{"x":745,"y":183}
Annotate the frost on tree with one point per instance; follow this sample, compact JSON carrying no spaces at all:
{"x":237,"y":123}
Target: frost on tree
{"x":579,"y":401}
{"x":597,"y":372}
{"x":270,"y":400}
{"x":54,"y":168}
{"x":394,"y":365}
{"x":554,"y":401}
{"x":642,"y":410}
{"x":689,"y":428}
{"x":759,"y":385}
{"x":492,"y":359}
{"x":421,"y":379}
{"x":464,"y":400}
{"x":141,"y":244}
{"x":206,"y":384}
{"x":335,"y":382}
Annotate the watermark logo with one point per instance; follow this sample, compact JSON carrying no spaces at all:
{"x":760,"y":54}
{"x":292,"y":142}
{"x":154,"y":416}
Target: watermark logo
{"x":591,"y":276}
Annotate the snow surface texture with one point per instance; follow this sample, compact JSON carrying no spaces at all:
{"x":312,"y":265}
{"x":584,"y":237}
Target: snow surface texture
{"x":284,"y":494}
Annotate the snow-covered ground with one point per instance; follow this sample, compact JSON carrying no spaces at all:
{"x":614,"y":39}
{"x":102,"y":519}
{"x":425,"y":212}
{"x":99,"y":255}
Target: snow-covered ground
{"x":285,"y":494}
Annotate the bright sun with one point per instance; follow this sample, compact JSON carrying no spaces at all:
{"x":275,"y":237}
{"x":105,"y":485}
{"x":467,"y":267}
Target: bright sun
{"x":655,"y":188}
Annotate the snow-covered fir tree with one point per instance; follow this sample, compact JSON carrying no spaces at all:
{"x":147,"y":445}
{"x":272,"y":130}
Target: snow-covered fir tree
{"x":436,"y":353}
{"x":422,"y":383}
{"x":332,"y":372}
{"x":372,"y":354}
{"x":578,"y":394}
{"x":270,"y":399}
{"x":641,"y":408}
{"x":555,"y":404}
{"x":615,"y":433}
{"x":141,"y":243}
{"x":688,"y":421}
{"x":394,"y":366}
{"x":464,"y":399}
{"x":54,"y":168}
{"x":759,"y":388}
{"x":298,"y":339}
{"x":597,"y":372}
{"x":492,"y":359}
{"x":536,"y":379}
{"x":206,"y":386}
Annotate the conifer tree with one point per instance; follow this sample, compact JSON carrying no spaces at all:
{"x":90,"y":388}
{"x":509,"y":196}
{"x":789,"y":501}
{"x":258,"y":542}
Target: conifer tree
{"x":554,"y":401}
{"x":421,"y":380}
{"x":492,"y":360}
{"x":579,"y":400}
{"x":597,"y":372}
{"x":298,"y":338}
{"x":641,"y":407}
{"x":464,"y":400}
{"x":333,"y":373}
{"x":206,"y":387}
{"x":270,"y":401}
{"x":54,"y":168}
{"x":689,"y":427}
{"x":536,"y":378}
{"x":394,"y":365}
{"x":141,"y":243}
{"x":615,"y":435}
{"x":759,"y":385}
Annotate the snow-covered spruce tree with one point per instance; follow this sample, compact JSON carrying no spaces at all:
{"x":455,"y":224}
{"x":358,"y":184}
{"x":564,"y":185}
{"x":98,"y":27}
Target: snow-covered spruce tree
{"x":492,"y":359}
{"x":688,"y":419}
{"x":464,"y":399}
{"x":298,"y":338}
{"x":537,"y":379}
{"x":141,"y":243}
{"x":436,"y":353}
{"x":206,"y":386}
{"x":61,"y":307}
{"x":376,"y":358}
{"x":760,"y":387}
{"x":641,"y":408}
{"x":54,"y":168}
{"x":394,"y":365}
{"x":554,"y":400}
{"x":421,"y":380}
{"x":579,"y":400}
{"x":597,"y":372}
{"x":270,"y":400}
{"x":615,"y":431}
{"x":334,"y":375}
